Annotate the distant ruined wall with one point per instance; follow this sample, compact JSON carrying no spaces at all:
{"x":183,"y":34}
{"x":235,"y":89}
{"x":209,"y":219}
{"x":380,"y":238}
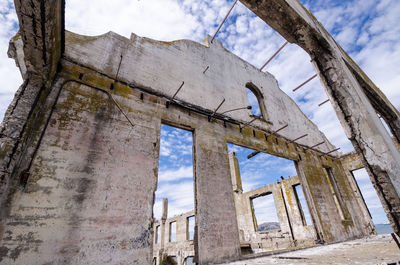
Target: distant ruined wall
{"x":182,"y":248}
{"x":327,"y":223}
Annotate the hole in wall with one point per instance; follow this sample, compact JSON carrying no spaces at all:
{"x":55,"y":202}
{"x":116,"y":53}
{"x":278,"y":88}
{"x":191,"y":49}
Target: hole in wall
{"x":372,"y":202}
{"x":189,"y":261}
{"x":302,"y":204}
{"x":175,"y":183}
{"x":265,"y":213}
{"x":262,"y":169}
{"x":190,"y":227}
{"x":172,"y":231}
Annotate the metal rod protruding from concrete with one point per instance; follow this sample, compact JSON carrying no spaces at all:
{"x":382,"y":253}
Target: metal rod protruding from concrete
{"x":273,"y":56}
{"x":322,"y":103}
{"x":248,"y":123}
{"x":253,"y":154}
{"x":312,"y":147}
{"x":248,"y":107}
{"x":215,"y":111}
{"x":298,"y":138}
{"x":206,"y":69}
{"x":120,"y":109}
{"x":183,"y":82}
{"x":305,"y":82}
{"x":257,"y":152}
{"x":330,"y":151}
{"x":280,"y":129}
{"x":223,"y":21}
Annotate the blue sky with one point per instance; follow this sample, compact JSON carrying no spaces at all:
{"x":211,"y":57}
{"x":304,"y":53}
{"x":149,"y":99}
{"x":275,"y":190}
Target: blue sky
{"x":368,"y":29}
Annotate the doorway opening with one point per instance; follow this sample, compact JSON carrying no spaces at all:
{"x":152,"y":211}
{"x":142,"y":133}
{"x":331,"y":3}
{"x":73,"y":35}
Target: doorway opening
{"x":371,"y":200}
{"x":174,"y":200}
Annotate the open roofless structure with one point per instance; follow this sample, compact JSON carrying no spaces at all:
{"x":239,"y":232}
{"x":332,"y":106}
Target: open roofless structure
{"x":79,"y":144}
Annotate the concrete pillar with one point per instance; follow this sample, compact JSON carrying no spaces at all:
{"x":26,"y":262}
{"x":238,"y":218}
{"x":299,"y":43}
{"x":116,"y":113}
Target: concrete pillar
{"x":364,"y":129}
{"x":217,"y":229}
{"x":89,"y":197}
{"x":162,"y":226}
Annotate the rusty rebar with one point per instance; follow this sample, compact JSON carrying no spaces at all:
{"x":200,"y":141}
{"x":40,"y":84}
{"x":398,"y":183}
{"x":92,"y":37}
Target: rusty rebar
{"x":273,"y":56}
{"x":215,"y":111}
{"x":322,"y":103}
{"x":223,"y":21}
{"x":298,"y":138}
{"x":312,"y":147}
{"x":248,"y":123}
{"x":248,"y":107}
{"x":183,"y":82}
{"x":305,"y":82}
{"x":280,"y":129}
{"x":253,"y":154}
{"x":331,"y":151}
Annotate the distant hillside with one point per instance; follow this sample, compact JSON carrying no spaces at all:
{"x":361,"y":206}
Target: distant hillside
{"x":268,"y":226}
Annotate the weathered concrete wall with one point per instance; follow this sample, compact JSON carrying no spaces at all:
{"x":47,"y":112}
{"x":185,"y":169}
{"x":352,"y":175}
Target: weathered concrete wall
{"x":88,"y":163}
{"x":86,"y":173}
{"x":183,"y":247}
{"x":292,"y":233}
{"x":216,"y":224}
{"x":37,"y":49}
{"x":65,"y":149}
{"x":133,"y":62}
{"x":346,"y":88}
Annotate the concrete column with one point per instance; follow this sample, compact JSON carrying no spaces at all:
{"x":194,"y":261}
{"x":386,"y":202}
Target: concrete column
{"x":370,"y":139}
{"x":162,"y":225}
{"x":89,"y":197}
{"x":217,"y":229}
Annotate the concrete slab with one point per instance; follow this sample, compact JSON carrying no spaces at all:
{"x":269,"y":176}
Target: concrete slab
{"x":380,"y":249}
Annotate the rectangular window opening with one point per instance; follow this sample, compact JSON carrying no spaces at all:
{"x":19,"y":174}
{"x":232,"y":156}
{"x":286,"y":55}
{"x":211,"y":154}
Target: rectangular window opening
{"x":333,"y":186}
{"x":172,"y":232}
{"x":190,"y":228}
{"x":255,"y":170}
{"x":265,"y":213}
{"x":172,"y":260}
{"x":303,"y":207}
{"x":174,"y":194}
{"x":158,"y":235}
{"x":372,"y":202}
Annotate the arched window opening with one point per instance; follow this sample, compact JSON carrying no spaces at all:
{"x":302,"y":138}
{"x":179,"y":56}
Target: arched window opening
{"x":256,"y":100}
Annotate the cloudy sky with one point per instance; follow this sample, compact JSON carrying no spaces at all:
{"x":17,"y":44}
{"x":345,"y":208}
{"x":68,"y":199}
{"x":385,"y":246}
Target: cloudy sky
{"x":368,"y":29}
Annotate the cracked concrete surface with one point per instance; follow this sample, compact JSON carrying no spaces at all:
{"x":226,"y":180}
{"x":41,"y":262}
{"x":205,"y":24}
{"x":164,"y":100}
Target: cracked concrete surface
{"x":372,"y":250}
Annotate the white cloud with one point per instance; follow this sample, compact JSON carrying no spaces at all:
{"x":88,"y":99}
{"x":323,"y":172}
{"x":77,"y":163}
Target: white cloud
{"x":184,"y":172}
{"x":180,"y":198}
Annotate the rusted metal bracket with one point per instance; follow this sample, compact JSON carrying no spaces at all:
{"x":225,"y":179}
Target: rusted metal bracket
{"x":305,"y":82}
{"x":322,"y":103}
{"x":215,"y":111}
{"x":298,"y":138}
{"x":223,"y":21}
{"x":273,"y":56}
{"x":177,"y":91}
{"x":330,"y":152}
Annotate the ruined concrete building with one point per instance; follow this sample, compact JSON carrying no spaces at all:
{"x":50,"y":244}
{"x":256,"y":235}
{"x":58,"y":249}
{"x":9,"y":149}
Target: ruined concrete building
{"x":79,"y":144}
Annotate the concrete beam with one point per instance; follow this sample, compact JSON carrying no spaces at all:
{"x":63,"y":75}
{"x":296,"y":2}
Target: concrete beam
{"x":42,"y":32}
